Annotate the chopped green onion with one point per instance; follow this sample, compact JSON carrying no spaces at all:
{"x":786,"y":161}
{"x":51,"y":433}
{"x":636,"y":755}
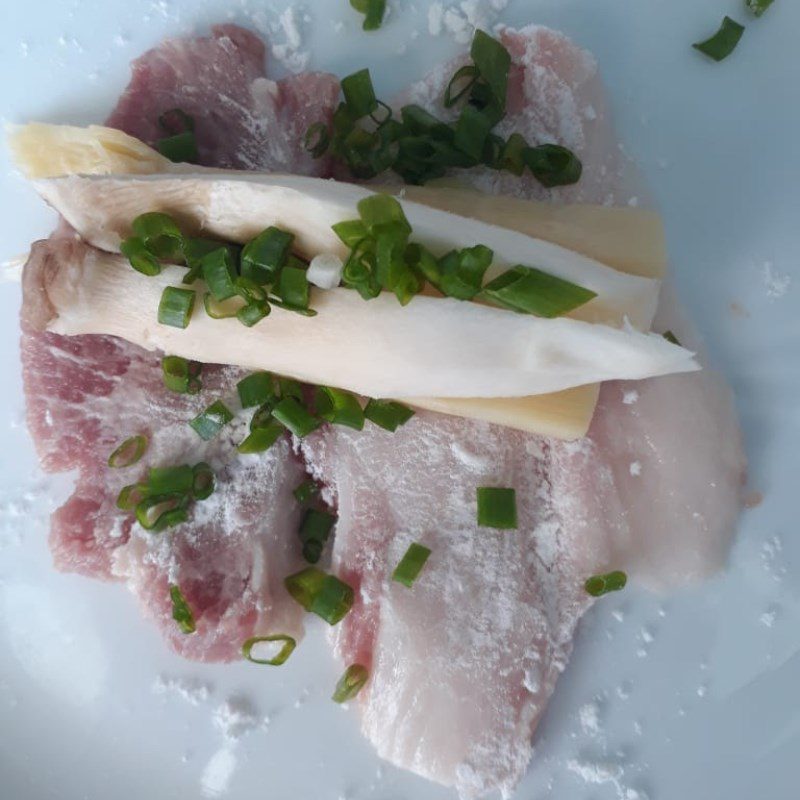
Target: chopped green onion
{"x":130,"y":496}
{"x":306,"y":492}
{"x":160,"y":234}
{"x":157,"y":512}
{"x":252,"y":313}
{"x":293,"y":287}
{"x":379,"y":210}
{"x":472,"y":129}
{"x":283,"y":654}
{"x":129,"y":452}
{"x":288,"y":387}
{"x":176,"y":306}
{"x":194,"y":250}
{"x":599,"y":585}
{"x":387,"y":414}
{"x":170,"y":480}
{"x":222,"y":310}
{"x":461,"y":273}
{"x":314,"y":532}
{"x":493,"y":62}
{"x":671,"y":337}
{"x":181,"y":148}
{"x":411,"y":564}
{"x":333,"y":600}
{"x":723,"y":42}
{"x":359,"y":94}
{"x":512,"y":157}
{"x":180,"y":375}
{"x":139,"y":257}
{"x":339,"y":407}
{"x":265,"y":255}
{"x":262,"y":437}
{"x":374,"y":11}
{"x":758,"y":7}
{"x":219,"y":273}
{"x":256,"y":389}
{"x":462,"y":81}
{"x":317,"y":139}
{"x":202,"y":481}
{"x":305,"y":585}
{"x":531,"y":291}
{"x":295,"y":417}
{"x":351,"y":232}
{"x":181,"y":612}
{"x":497,"y":508}
{"x":351,"y":683}
{"x":211,"y":421}
{"x":553,"y":165}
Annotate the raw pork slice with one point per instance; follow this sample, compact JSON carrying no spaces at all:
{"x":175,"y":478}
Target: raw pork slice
{"x":86,"y":394}
{"x":462,"y":665}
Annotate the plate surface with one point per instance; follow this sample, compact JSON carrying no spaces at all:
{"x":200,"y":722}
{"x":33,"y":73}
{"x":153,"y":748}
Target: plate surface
{"x":688,"y":696}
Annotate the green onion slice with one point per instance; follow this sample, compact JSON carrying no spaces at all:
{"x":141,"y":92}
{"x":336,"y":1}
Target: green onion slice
{"x":333,"y":600}
{"x":314,"y":532}
{"x":139,"y":257}
{"x":493,"y":63}
{"x":378,"y":210}
{"x":265,"y":255}
{"x":411,"y":564}
{"x":339,"y":407}
{"x":359,"y":94}
{"x":262,"y":437}
{"x":252,"y":313}
{"x":203,"y":482}
{"x":288,"y":387}
{"x":180,"y":148}
{"x":256,"y":389}
{"x":461,"y":273}
{"x":180,"y":375}
{"x":157,"y":512}
{"x":387,"y":414}
{"x":160,"y":234}
{"x":461,"y":82}
{"x":553,"y":165}
{"x":374,"y":11}
{"x":305,"y":585}
{"x":306,"y":492}
{"x":531,"y":291}
{"x":497,"y":508}
{"x":293,"y":288}
{"x":219,"y":273}
{"x":181,"y":612}
{"x":283,"y":654}
{"x":758,"y":7}
{"x":599,"y":585}
{"x":170,"y":480}
{"x":351,"y":232}
{"x":222,"y":310}
{"x":130,"y":496}
{"x":129,"y":452}
{"x":719,"y":46}
{"x":211,"y":421}
{"x":175,"y":307}
{"x":295,"y":417}
{"x":351,"y":683}
{"x":472,"y":130}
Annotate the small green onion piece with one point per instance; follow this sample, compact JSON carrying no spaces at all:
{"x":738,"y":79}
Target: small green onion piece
{"x":160,"y":234}
{"x":306,"y":492}
{"x":203,"y":482}
{"x":283,"y":654}
{"x":351,"y":232}
{"x":553,"y":165}
{"x":339,"y":407}
{"x":256,"y":389}
{"x":472,"y":129}
{"x":512,"y":156}
{"x":262,"y":437}
{"x":333,"y":600}
{"x":293,"y":287}
{"x":317,"y":139}
{"x":170,"y":480}
{"x":493,"y":63}
{"x":156,"y":512}
{"x":461,"y":272}
{"x":758,"y":7}
{"x":180,"y":375}
{"x":219,"y":273}
{"x":176,"y":306}
{"x":599,"y":585}
{"x":130,"y":496}
{"x":387,"y":414}
{"x":411,"y":564}
{"x":359,"y":94}
{"x":374,"y":11}
{"x":263,"y":256}
{"x":288,"y":387}
{"x":180,"y":148}
{"x":181,"y":612}
{"x":295,"y":417}
{"x":222,"y":310}
{"x":378,"y":210}
{"x":497,"y":508}
{"x":249,"y":290}
{"x":129,"y":452}
{"x":671,"y":337}
{"x":314,"y":533}
{"x":195,"y":249}
{"x":139,"y":257}
{"x":262,"y":418}
{"x":351,"y":683}
{"x":719,"y":46}
{"x":531,"y":291}
{"x":305,"y":585}
{"x":461,"y":82}
{"x":252,"y":313}
{"x":211,"y":421}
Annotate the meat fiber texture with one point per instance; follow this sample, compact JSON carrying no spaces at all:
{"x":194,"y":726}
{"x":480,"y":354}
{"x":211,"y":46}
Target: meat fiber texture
{"x":462,"y":665}
{"x":86,"y":394}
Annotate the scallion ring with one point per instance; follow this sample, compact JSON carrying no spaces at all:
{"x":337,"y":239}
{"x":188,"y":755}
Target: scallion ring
{"x":283,"y":654}
{"x":129,"y":452}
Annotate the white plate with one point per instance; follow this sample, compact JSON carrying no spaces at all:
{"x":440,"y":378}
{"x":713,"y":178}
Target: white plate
{"x":691,"y":696}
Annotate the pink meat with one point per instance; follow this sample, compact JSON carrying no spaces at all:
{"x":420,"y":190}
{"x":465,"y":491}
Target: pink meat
{"x":243,"y":120}
{"x":463,"y":664}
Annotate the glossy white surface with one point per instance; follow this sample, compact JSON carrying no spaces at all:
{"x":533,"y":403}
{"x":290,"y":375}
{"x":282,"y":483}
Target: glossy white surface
{"x":691,"y":696}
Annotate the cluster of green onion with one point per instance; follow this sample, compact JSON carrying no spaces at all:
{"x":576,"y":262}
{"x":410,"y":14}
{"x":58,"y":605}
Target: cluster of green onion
{"x":382,"y":258}
{"x":241,"y":282}
{"x":367,"y":138}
